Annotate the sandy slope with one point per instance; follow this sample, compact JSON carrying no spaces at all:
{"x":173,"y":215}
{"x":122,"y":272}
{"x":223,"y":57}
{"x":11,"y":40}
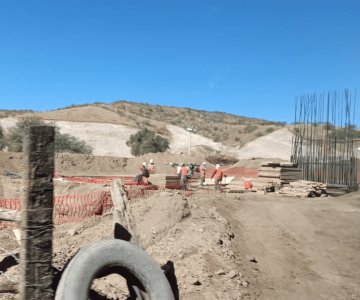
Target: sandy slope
{"x":274,"y":145}
{"x":109,"y":139}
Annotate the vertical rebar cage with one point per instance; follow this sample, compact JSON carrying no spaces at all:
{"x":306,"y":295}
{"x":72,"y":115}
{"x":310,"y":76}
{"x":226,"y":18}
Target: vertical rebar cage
{"x":324,"y":138}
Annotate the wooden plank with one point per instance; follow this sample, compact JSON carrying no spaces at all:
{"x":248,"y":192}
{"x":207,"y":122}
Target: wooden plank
{"x":270,"y":163}
{"x":36,"y":272}
{"x":10,"y":215}
{"x":286,"y":164}
{"x":8,"y":287}
{"x":268,"y":175}
{"x":122,"y":216}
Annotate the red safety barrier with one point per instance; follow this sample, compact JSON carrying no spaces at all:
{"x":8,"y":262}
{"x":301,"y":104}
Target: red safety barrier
{"x":69,"y":208}
{"x":74,"y":208}
{"x":99,"y":179}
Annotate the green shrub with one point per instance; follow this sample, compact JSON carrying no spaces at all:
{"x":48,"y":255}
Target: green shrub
{"x":145,"y":141}
{"x":250,"y":128}
{"x":63,"y":142}
{"x":15,"y":135}
{"x":221,"y":159}
{"x":216,"y":138}
{"x":69,"y":143}
{"x":270,"y":130}
{"x":146,"y":123}
{"x":2,"y":138}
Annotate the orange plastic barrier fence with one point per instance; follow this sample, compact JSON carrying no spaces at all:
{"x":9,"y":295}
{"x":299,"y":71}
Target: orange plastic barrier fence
{"x":69,"y":208}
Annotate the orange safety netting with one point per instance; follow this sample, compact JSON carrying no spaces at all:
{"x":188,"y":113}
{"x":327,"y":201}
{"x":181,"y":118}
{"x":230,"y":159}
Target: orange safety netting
{"x":69,"y":208}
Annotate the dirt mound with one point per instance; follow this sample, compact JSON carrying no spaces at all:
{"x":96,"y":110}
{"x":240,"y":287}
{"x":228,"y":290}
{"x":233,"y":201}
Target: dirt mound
{"x":159,"y":213}
{"x":194,"y":236}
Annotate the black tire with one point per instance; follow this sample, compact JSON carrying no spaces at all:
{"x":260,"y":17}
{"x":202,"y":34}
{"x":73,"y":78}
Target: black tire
{"x":78,"y":276}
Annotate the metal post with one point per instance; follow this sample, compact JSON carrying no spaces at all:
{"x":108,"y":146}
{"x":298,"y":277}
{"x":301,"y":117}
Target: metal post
{"x":190,"y":143}
{"x":37,"y":215}
{"x":190,"y":131}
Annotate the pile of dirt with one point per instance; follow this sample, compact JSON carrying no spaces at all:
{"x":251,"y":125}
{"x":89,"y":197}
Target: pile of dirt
{"x":190,"y":233}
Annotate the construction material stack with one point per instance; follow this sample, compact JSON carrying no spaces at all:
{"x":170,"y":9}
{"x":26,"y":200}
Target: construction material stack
{"x":279,"y":173}
{"x":303,"y":188}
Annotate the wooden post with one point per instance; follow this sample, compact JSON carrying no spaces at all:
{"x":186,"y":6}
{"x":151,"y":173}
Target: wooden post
{"x":122,"y":214}
{"x":37,"y":215}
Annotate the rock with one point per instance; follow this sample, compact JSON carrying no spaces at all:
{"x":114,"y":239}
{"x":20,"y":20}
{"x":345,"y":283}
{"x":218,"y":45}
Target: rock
{"x":196,"y":282}
{"x":245,"y":284}
{"x":220,"y":272}
{"x":230,"y":234}
{"x":72,"y":232}
{"x":251,"y":259}
{"x":232,"y":274}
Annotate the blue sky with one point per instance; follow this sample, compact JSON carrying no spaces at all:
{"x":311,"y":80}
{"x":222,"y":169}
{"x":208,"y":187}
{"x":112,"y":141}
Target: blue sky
{"x":250,"y":58}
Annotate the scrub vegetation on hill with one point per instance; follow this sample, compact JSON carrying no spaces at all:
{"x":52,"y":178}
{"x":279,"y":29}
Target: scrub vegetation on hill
{"x":228,"y":129}
{"x":146,"y":141}
{"x":13,"y":139}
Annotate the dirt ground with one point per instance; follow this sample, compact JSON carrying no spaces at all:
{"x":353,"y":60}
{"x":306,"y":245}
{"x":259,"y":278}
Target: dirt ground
{"x":223,"y":246}
{"x":228,"y":246}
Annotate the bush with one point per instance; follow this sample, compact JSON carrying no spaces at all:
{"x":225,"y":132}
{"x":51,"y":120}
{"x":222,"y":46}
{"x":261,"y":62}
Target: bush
{"x":250,"y":128}
{"x":63,"y":142}
{"x":270,"y":130}
{"x":15,"y":135}
{"x":145,"y":141}
{"x":221,"y":159}
{"x":69,"y":143}
{"x":2,"y":138}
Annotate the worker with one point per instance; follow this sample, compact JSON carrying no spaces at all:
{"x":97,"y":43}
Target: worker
{"x":202,"y":173}
{"x":152,"y":167}
{"x":178,"y":170}
{"x":217,"y":175}
{"x":144,"y":173}
{"x":184,"y":176}
{"x":191,"y":168}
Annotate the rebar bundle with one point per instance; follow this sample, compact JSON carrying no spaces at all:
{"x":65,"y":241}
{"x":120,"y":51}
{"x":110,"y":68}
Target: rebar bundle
{"x":323,"y":139}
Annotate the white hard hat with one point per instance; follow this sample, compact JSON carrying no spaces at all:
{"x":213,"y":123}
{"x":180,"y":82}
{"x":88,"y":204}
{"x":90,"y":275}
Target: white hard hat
{"x":204,"y":163}
{"x":217,"y":166}
{"x":144,"y":163}
{"x":151,"y":161}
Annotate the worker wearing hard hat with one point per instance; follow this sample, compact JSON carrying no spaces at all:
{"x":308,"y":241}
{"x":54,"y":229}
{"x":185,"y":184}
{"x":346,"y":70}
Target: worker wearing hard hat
{"x":144,"y":173}
{"x":217,"y":175}
{"x":184,"y":176}
{"x":202,"y":173}
{"x":152,"y":167}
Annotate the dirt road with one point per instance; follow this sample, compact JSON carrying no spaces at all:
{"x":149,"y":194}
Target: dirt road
{"x":305,"y":248}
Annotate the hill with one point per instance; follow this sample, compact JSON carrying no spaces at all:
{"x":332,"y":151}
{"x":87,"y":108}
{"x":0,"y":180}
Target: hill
{"x":102,"y":125}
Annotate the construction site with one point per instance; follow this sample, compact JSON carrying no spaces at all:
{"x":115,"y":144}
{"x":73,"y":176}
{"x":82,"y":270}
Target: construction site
{"x":283,"y":223}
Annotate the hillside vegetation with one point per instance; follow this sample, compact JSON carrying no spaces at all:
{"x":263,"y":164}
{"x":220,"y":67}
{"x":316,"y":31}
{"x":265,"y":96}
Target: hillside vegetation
{"x":226,"y":128}
{"x":231,"y":130}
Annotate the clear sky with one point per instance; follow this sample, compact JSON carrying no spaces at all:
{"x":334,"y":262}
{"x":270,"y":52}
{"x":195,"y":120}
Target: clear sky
{"x":250,"y":58}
